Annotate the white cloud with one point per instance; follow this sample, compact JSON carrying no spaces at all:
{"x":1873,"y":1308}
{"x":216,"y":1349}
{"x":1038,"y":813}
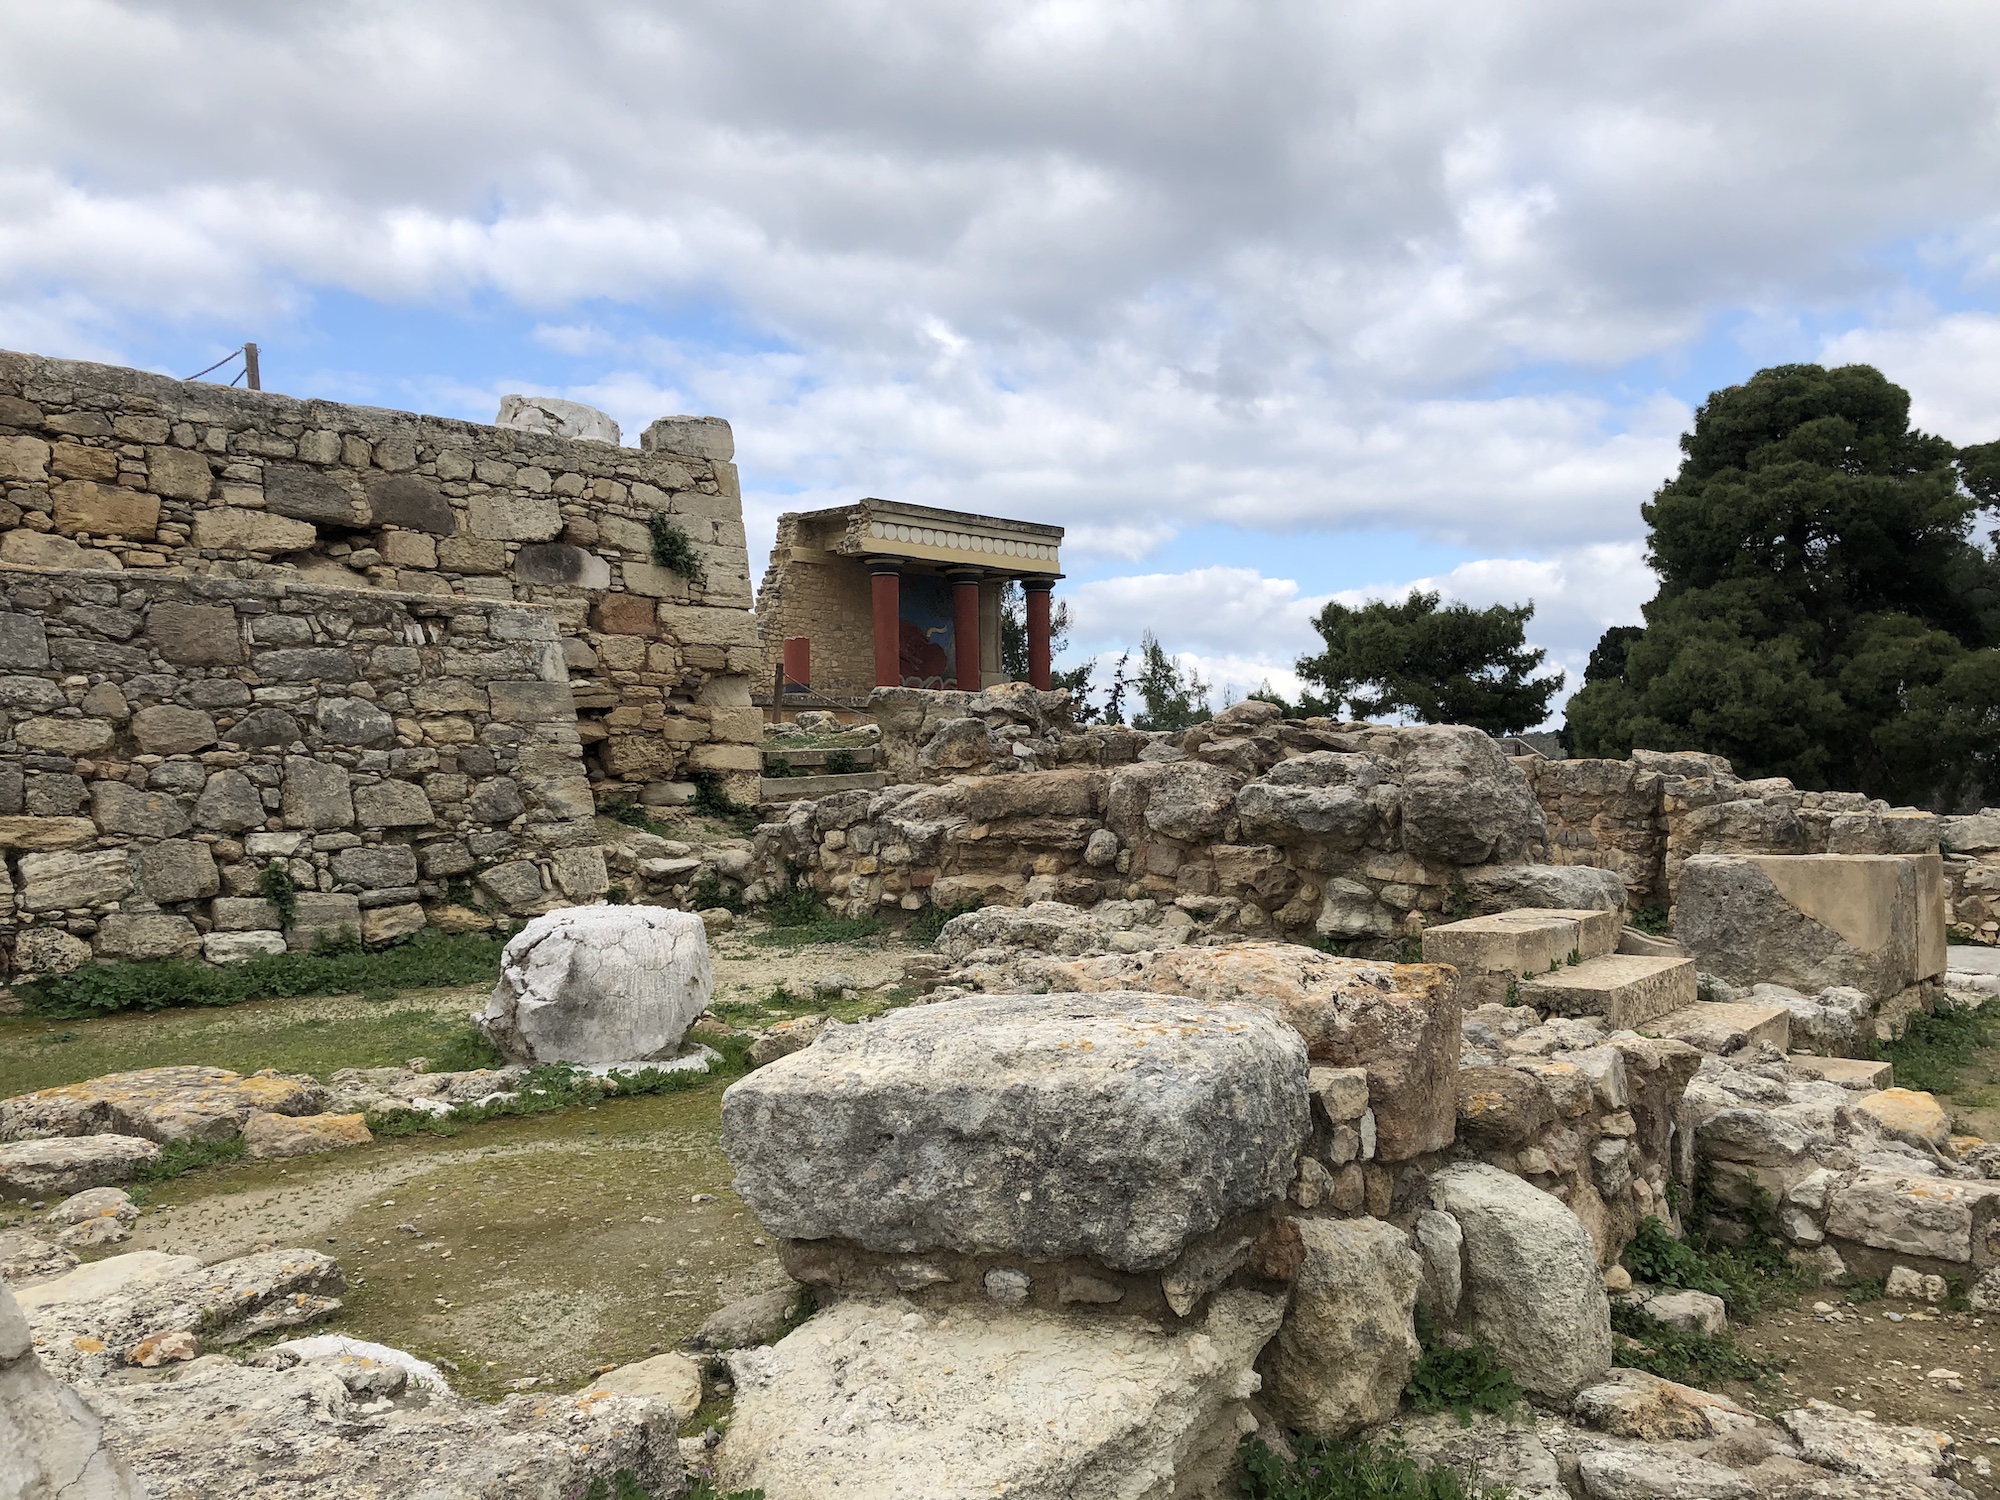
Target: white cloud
{"x":1130,"y":268}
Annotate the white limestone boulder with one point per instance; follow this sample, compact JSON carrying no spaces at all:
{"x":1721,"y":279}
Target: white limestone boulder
{"x":556,"y":418}
{"x":1532,"y":1286}
{"x":1118,"y":1127}
{"x":1345,"y":1352}
{"x":51,"y":1442}
{"x":909,"y":1405}
{"x":600,"y":984}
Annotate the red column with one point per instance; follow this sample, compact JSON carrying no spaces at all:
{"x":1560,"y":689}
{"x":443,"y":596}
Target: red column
{"x":965,"y":629}
{"x":798,"y":659}
{"x":886,"y":586}
{"x":1036,"y":591}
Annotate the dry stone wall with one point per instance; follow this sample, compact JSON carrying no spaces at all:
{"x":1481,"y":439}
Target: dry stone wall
{"x":166,"y":740}
{"x":120,"y":471}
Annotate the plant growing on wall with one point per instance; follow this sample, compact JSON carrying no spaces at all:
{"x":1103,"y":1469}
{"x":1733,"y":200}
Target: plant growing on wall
{"x":673,"y":549}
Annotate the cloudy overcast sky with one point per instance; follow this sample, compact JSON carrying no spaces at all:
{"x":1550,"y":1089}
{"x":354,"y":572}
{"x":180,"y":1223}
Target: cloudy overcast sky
{"x":1266,"y":303}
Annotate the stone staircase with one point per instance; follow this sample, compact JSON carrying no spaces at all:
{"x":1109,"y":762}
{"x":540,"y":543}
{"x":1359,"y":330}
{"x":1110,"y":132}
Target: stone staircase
{"x":1566,"y":963}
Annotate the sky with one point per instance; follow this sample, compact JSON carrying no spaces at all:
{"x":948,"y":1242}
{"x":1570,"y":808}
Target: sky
{"x":1266,"y":303}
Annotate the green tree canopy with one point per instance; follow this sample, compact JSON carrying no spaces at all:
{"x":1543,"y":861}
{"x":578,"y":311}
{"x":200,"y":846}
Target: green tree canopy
{"x":1440,"y":664}
{"x":1824,"y":612}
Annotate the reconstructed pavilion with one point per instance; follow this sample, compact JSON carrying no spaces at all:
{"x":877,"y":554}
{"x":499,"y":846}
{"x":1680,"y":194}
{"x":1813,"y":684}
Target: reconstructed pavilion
{"x":882,"y":594}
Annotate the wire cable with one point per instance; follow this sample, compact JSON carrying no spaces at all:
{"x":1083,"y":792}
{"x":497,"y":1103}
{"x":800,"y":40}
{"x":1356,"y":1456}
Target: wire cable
{"x":232,"y":354}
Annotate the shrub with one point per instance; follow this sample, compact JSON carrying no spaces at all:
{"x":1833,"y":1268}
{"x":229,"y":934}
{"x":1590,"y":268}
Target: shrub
{"x":1453,"y":1379}
{"x":1682,"y":1354}
{"x":1353,"y":1470}
{"x":338,"y":966}
{"x":778,"y":767}
{"x":839,"y":763}
{"x":709,"y":892}
{"x":275,"y":885}
{"x":673,"y":549}
{"x":927,"y":924}
{"x":800,"y":915}
{"x":712,"y":800}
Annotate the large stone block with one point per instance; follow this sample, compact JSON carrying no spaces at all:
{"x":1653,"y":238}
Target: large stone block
{"x":560,"y":563}
{"x":1118,"y":1127}
{"x":178,"y":870}
{"x":412,"y":504}
{"x":229,"y":528}
{"x":532,"y":702}
{"x":105,"y":510}
{"x":308,"y":495}
{"x":1532,"y":1288}
{"x":1627,"y":990}
{"x":695,"y":437}
{"x":1027,"y":1404}
{"x":61,"y":881}
{"x":1400,"y":1022}
{"x":229,"y":803}
{"x":557,"y":418}
{"x":514,"y":518}
{"x":24,"y":643}
{"x":144,"y":935}
{"x":600,"y":984}
{"x":38,"y":549}
{"x":64,"y":736}
{"x":178,"y":473}
{"x":195,"y":635}
{"x":1344,"y":1354}
{"x":169,"y":729}
{"x":71,"y":1164}
{"x":23,"y":460}
{"x":1811,"y":921}
{"x":315,"y":794}
{"x":118,"y":808}
{"x":376,"y":866}
{"x":393,"y":804}
{"x":322,"y":915}
{"x":1932,"y":1217}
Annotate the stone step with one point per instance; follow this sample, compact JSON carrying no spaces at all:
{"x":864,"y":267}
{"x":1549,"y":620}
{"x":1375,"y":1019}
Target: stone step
{"x":1626,"y":990}
{"x":1719,"y":1028}
{"x":804,"y":788}
{"x":1492,"y":952}
{"x":1858,"y":1073}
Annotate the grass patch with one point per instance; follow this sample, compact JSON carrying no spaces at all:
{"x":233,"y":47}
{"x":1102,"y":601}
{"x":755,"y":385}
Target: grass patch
{"x":928,"y":924}
{"x":709,"y":892}
{"x":712,"y":800}
{"x":632,"y":815}
{"x":1352,"y":1470}
{"x":799,"y":915}
{"x":427,"y":961}
{"x":1935,"y":1052}
{"x":1682,"y":1354}
{"x":1744,"y":1276}
{"x":39,"y":1055}
{"x":1458,"y":1380}
{"x":178,"y":1158}
{"x":549,"y":1087}
{"x":1651,"y":920}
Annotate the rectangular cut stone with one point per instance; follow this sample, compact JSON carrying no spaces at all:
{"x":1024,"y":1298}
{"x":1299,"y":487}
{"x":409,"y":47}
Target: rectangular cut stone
{"x":1858,"y":1073}
{"x":105,"y":510}
{"x":178,"y":473}
{"x":1115,"y":1127}
{"x":1933,"y":1217}
{"x":514,"y":518}
{"x":228,"y":528}
{"x":59,"y":881}
{"x":1627,"y":991}
{"x":1399,"y":1022}
{"x":1718,"y":1028}
{"x":1598,"y":931}
{"x":1875,"y":922}
{"x":1491,"y":953}
{"x":24,"y":643}
{"x":30,"y":832}
{"x":531,"y":702}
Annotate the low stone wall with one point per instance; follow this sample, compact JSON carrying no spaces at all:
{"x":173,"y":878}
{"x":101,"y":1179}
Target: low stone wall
{"x":1646,"y":817}
{"x":164,"y":741}
{"x":118,"y":470}
{"x":1251,"y":824}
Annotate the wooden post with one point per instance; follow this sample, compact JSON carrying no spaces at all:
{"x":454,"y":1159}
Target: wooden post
{"x":965,"y":629}
{"x":1035,"y":592}
{"x":885,"y":583}
{"x":778,"y":694}
{"x":252,"y":378}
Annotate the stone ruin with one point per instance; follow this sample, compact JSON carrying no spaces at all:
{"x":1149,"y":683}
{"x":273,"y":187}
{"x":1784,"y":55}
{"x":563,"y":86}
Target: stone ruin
{"x":1143,"y":1174}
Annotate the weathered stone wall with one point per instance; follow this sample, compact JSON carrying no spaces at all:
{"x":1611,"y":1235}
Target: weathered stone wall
{"x":165,"y":740}
{"x":122,"y":471}
{"x":1645,"y":817}
{"x":1357,"y":833}
{"x":809,"y":590}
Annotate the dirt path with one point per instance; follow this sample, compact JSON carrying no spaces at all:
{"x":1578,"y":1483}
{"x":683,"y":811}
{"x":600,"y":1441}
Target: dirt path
{"x":540,"y":1249}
